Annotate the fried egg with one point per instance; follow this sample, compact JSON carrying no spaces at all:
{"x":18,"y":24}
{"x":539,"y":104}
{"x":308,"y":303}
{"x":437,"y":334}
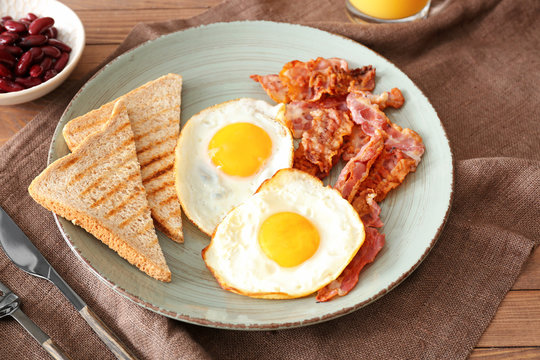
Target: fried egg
{"x":223,"y":155}
{"x":291,"y":238}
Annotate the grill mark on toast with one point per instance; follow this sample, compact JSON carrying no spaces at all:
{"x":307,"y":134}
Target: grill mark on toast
{"x":174,"y":213}
{"x":95,"y":123}
{"x":159,"y":188}
{"x":158,"y":173}
{"x":153,"y":145}
{"x":168,"y":200}
{"x":100,"y":179}
{"x":120,"y":128}
{"x":145,"y":228}
{"x":171,"y":121}
{"x":115,"y":189}
{"x":124,"y":223}
{"x":126,"y":201}
{"x":156,"y":158}
{"x":82,"y":174}
{"x":71,"y":161}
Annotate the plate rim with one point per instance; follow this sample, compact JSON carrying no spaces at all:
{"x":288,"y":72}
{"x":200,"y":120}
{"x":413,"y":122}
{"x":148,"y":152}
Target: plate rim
{"x":233,"y":326}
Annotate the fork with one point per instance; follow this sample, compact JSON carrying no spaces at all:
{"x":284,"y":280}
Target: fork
{"x":10,"y":305}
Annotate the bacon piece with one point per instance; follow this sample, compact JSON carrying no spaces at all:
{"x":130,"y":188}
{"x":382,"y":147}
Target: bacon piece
{"x":311,"y":80}
{"x":298,"y":115}
{"x":354,"y":142}
{"x":367,"y":208}
{"x":348,"y":279}
{"x":273,"y":87}
{"x":388,"y":172}
{"x":393,"y":99}
{"x":402,"y":151}
{"x":322,"y":142}
{"x":356,"y":170}
{"x":302,"y":163}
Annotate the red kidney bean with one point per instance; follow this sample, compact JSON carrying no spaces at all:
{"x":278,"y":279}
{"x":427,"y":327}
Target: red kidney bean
{"x":6,"y":58}
{"x":49,"y":74}
{"x":10,"y":86}
{"x":15,"y":36}
{"x":46,"y":63}
{"x":28,"y":82}
{"x":5,"y":71}
{"x":33,"y":40}
{"x":15,"y":26}
{"x":60,"y":45}
{"x":31,"y":16}
{"x":61,"y":62}
{"x":51,"y":33}
{"x":6,"y":40}
{"x":13,"y":50}
{"x":37,"y":54}
{"x":36,"y":70}
{"x":40,"y":24}
{"x":7,"y":18}
{"x":51,"y":51}
{"x":26,"y":23}
{"x":24,"y":63}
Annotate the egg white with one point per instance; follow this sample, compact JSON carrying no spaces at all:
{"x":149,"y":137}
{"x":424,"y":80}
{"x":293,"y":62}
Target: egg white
{"x":206,"y":193}
{"x":236,"y":259}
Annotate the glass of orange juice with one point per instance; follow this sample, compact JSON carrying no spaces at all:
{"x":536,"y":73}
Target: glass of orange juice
{"x":385,"y":11}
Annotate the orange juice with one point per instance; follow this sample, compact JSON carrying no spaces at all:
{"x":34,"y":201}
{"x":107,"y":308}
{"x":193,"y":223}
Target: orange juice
{"x":389,"y":9}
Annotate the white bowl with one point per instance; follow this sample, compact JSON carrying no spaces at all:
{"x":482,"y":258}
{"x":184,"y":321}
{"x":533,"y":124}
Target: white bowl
{"x":70,"y":31}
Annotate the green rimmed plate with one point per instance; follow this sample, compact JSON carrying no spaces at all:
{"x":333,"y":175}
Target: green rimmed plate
{"x":215,"y":62}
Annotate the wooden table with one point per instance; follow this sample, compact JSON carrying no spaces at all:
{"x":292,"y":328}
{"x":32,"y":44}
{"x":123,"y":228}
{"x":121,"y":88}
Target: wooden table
{"x":515,"y":330}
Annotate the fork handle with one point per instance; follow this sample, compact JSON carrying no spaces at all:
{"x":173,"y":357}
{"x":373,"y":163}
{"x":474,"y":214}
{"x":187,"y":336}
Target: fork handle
{"x":54,"y":350}
{"x":119,"y":349}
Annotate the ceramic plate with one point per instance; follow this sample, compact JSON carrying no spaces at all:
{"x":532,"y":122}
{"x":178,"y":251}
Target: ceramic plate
{"x":215,"y":62}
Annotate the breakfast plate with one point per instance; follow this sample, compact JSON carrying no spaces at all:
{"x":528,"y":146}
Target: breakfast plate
{"x":215,"y":62}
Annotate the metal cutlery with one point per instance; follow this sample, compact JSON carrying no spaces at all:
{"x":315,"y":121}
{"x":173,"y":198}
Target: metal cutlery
{"x":27,"y":257}
{"x":10,"y":306}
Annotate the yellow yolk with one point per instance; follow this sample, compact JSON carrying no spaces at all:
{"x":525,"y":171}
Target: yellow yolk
{"x":288,"y":238}
{"x":240,"y":149}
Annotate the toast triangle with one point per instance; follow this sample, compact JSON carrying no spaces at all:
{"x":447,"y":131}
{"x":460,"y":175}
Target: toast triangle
{"x":99,"y":187}
{"x":154,"y":112}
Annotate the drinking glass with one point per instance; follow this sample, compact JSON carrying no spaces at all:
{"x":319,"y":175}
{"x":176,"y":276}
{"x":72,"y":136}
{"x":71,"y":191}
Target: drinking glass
{"x":387,"y":11}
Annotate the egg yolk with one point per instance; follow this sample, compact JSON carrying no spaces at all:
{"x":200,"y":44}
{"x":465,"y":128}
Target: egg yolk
{"x":288,"y":238}
{"x":240,"y":149}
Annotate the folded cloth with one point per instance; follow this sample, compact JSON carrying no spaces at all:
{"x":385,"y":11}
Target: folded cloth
{"x":477,"y":61}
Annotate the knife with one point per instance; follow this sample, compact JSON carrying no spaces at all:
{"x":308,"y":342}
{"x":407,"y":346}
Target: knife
{"x":10,"y":305}
{"x":28,"y":258}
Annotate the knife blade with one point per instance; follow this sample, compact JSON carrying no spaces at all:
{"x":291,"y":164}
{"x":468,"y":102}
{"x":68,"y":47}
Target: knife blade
{"x":10,"y":306}
{"x":27,"y":257}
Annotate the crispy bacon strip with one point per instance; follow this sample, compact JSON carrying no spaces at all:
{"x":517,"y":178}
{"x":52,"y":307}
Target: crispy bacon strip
{"x":386,"y":99}
{"x":348,"y":279}
{"x":311,"y":80}
{"x":357,"y":169}
{"x":388,"y":172}
{"x":402,"y":151}
{"x":353,"y":143}
{"x":273,"y":87}
{"x":298,"y":115}
{"x":322,"y":142}
{"x":368,"y":209}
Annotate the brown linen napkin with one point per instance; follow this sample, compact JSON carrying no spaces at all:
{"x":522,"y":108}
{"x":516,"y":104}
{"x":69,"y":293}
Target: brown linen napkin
{"x":477,"y":61}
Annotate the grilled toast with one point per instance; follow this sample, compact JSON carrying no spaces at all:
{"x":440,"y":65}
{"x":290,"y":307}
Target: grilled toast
{"x":154,"y":112}
{"x":99,"y":187}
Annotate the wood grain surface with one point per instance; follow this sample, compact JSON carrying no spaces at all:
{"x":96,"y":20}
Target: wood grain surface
{"x":515,"y":330}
